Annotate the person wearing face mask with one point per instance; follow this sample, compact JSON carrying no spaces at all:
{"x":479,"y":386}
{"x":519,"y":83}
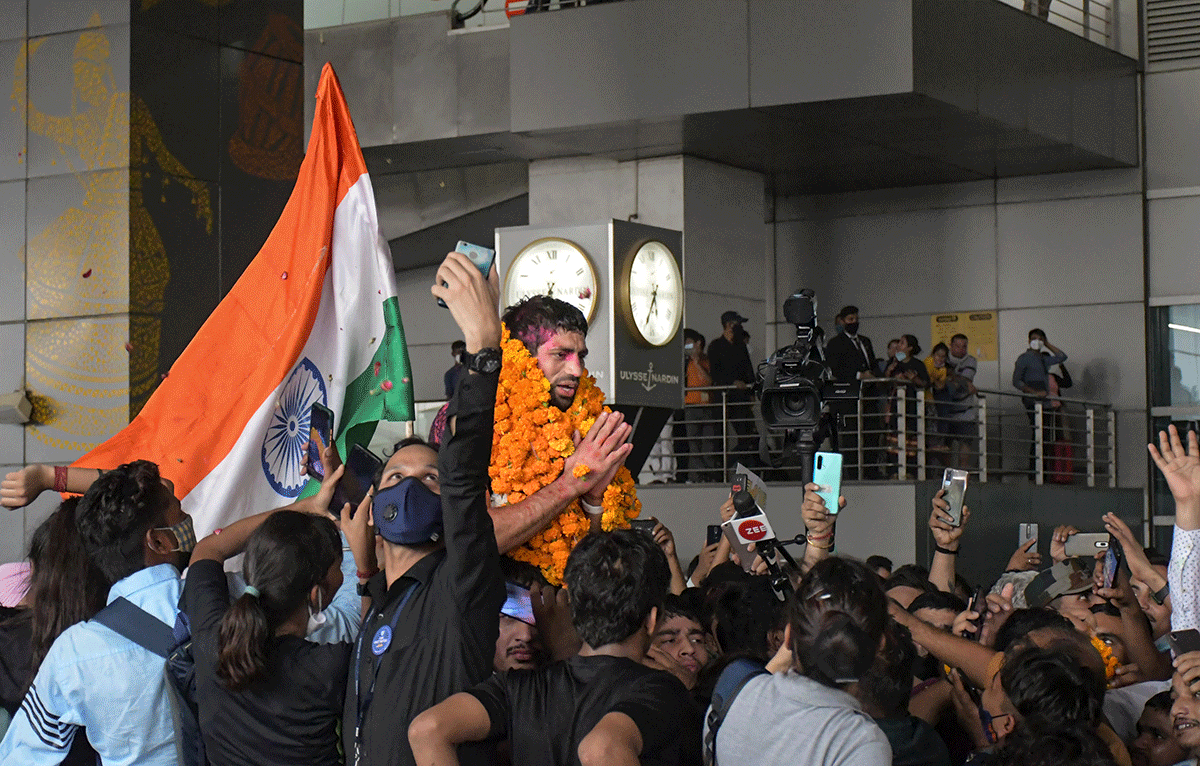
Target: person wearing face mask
{"x":1031,"y":376}
{"x":730,"y":365}
{"x":431,"y":626}
{"x":700,"y":420}
{"x":265,"y":694}
{"x":960,"y":421}
{"x":911,"y":370}
{"x":134,"y":531}
{"x":851,"y":357}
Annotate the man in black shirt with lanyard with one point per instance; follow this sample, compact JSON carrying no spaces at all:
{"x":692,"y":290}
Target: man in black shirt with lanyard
{"x":432,"y":626}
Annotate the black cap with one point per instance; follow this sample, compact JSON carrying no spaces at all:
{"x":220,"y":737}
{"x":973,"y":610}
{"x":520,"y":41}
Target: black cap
{"x":732,"y":316}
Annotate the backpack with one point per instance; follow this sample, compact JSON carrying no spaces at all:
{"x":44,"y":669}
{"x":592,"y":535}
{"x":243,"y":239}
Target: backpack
{"x":174,"y":645}
{"x":733,"y":679}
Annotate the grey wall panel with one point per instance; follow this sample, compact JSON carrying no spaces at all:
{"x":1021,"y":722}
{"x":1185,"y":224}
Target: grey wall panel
{"x":906,"y":263}
{"x":1104,"y":346}
{"x":424,"y":79}
{"x":1133,"y":460}
{"x":12,"y":378}
{"x":483,"y":98}
{"x":47,"y":17}
{"x":1172,"y":129}
{"x":1173,"y":230}
{"x":362,"y":58}
{"x":1070,"y":251}
{"x":429,"y":329}
{"x":96,"y":120}
{"x":723,"y":235}
{"x":1091,"y":183}
{"x":580,"y":191}
{"x":13,"y":161}
{"x":12,"y":259}
{"x":12,"y":21}
{"x":878,"y":201}
{"x":627,"y":61}
{"x":801,"y":52}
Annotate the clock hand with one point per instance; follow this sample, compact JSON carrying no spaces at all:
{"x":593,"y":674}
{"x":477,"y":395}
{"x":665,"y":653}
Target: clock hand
{"x":653,"y":304}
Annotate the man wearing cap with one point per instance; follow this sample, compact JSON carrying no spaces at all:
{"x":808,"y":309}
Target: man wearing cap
{"x":730,"y":365}
{"x":431,"y":629}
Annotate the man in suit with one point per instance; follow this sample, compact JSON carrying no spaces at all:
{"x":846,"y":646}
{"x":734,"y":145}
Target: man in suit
{"x":851,"y":357}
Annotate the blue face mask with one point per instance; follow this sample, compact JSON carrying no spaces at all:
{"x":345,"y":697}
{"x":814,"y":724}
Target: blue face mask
{"x":901,"y":356}
{"x":408,"y":513}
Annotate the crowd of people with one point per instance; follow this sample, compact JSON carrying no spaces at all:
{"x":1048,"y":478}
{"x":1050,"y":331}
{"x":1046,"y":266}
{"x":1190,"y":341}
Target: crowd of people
{"x":399,"y":632}
{"x":885,"y":415}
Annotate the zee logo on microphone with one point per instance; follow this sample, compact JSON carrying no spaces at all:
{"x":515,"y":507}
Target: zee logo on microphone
{"x":753,"y":530}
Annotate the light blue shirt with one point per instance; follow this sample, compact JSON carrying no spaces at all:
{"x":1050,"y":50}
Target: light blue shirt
{"x":94,"y":678}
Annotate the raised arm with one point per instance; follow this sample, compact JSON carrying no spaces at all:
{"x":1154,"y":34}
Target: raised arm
{"x":22,"y":487}
{"x":471,"y":555}
{"x":946,"y":540}
{"x":1181,"y":468}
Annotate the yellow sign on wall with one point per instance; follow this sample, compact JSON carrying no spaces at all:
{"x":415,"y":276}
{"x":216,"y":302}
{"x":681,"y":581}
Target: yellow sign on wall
{"x":978,"y":326}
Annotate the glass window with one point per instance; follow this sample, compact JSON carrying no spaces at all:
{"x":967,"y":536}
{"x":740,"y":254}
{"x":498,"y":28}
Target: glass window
{"x":1175,"y":372}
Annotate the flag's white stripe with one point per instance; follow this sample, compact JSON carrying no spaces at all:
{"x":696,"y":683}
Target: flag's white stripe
{"x":350,"y":315}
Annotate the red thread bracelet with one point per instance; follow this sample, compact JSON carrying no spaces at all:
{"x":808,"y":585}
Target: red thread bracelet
{"x":368,"y":575}
{"x":60,"y":478}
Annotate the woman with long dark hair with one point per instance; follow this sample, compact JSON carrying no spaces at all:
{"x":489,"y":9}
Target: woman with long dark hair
{"x":835,"y":628}
{"x":266,"y":695}
{"x":65,"y":587}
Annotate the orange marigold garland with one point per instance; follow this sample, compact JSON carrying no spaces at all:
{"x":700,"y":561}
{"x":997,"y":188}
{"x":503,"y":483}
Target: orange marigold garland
{"x":1111,"y":663}
{"x":530,"y":445}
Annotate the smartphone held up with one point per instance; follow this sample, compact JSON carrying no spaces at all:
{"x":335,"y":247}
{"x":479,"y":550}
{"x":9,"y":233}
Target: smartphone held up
{"x":481,"y":256}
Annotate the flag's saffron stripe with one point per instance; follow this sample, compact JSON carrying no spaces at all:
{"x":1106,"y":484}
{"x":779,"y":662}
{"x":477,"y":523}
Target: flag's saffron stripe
{"x":251,"y":341}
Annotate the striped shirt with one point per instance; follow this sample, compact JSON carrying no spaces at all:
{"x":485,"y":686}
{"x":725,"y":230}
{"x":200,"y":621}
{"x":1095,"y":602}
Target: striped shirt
{"x":96,"y":679}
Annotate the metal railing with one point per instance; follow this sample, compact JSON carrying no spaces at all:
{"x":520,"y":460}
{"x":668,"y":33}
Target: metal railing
{"x":1090,"y":19}
{"x":893,"y":431}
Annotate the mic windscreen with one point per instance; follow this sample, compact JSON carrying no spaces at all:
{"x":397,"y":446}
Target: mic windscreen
{"x":743,"y":504}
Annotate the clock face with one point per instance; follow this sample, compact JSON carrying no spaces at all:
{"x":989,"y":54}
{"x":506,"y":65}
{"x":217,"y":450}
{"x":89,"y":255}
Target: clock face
{"x":653,"y":306}
{"x":554,"y":267}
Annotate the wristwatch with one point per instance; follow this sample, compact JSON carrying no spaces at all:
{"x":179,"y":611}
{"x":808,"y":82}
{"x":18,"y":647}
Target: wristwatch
{"x":485,"y":361}
{"x":1160,"y":595}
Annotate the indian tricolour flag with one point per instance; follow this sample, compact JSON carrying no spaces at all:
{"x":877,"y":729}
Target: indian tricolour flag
{"x":314,"y":318}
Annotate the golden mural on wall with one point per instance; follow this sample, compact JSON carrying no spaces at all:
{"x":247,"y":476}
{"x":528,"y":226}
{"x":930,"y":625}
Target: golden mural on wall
{"x":269,"y":139}
{"x":102,"y":257}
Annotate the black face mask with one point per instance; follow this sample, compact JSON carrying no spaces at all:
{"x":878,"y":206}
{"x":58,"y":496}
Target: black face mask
{"x":851,"y":328}
{"x":927,"y":667}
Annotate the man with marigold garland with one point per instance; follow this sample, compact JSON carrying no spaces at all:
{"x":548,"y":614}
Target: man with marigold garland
{"x":555,"y":334}
{"x":557,"y":455}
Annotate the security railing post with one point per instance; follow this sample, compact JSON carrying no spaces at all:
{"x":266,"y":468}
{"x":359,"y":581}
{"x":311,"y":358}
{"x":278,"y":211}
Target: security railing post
{"x":981,"y":424}
{"x":920,"y":396}
{"x":1038,"y":442}
{"x":1112,"y":449}
{"x":858,"y":428}
{"x":901,"y":433}
{"x":724,"y":430}
{"x":1091,"y":446}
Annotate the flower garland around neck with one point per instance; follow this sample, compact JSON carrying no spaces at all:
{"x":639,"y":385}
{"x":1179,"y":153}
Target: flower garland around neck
{"x":530,"y":444}
{"x":1111,"y":662}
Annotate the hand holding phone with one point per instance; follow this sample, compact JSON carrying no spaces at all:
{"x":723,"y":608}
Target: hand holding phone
{"x":954,"y":491}
{"x":827,"y":475}
{"x":320,"y":436}
{"x":481,"y":256}
{"x":361,"y":469}
{"x":714,"y":535}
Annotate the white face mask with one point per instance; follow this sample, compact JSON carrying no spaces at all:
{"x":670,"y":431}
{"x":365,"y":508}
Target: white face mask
{"x":688,"y":346}
{"x":317,"y":619}
{"x":1035,"y":344}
